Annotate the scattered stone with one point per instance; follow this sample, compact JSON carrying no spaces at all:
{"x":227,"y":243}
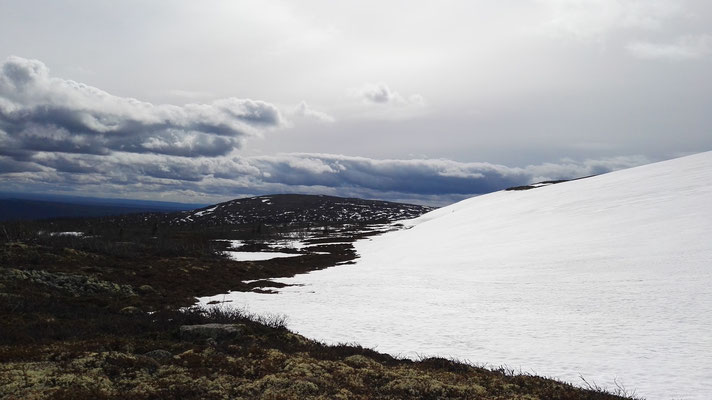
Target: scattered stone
{"x":359,"y":361}
{"x":146,"y":289}
{"x":160,"y":355}
{"x":264,"y":291}
{"x":210,"y":331}
{"x":214,"y":302}
{"x":148,"y":363}
{"x":74,"y":285}
{"x":131,"y":310}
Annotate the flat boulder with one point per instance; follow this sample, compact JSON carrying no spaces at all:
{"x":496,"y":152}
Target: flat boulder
{"x":131,"y":310}
{"x":160,"y":355}
{"x":210,"y":331}
{"x":146,"y":289}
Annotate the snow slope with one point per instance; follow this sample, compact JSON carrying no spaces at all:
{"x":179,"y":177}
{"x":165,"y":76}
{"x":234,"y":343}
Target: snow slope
{"x":609,"y":277}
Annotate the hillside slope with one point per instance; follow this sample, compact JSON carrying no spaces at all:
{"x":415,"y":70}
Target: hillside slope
{"x":607,"y":277}
{"x":296,"y":209}
{"x":625,"y":217}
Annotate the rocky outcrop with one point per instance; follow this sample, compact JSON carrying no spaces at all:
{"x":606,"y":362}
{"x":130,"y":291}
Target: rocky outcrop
{"x":210,"y":331}
{"x":75,"y":285}
{"x":162,"y":356}
{"x":131,"y":310}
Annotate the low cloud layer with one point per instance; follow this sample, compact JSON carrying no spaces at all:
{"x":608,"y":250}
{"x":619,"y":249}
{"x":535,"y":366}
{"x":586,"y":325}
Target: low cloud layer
{"x":39,"y":112}
{"x":426,"y":181}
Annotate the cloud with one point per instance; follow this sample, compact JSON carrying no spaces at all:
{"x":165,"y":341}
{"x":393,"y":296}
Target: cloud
{"x":188,"y":93}
{"x":39,"y":112}
{"x":419,"y":176}
{"x":426,"y":181}
{"x":305,"y":111}
{"x":594,"y":19}
{"x":685,"y":48}
{"x":380,"y":93}
{"x":61,"y":136}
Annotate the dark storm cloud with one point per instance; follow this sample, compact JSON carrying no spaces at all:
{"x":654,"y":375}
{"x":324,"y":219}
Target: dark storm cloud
{"x":42,"y":113}
{"x":425,"y":177}
{"x":8,"y":165}
{"x":422,"y":180}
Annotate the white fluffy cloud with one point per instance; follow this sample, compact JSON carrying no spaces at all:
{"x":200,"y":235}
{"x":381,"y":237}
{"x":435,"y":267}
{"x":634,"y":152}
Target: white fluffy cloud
{"x":306,"y":111}
{"x":39,"y":112}
{"x":380,"y":93}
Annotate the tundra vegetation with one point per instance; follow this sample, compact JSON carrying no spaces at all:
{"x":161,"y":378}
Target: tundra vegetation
{"x":106,"y":315}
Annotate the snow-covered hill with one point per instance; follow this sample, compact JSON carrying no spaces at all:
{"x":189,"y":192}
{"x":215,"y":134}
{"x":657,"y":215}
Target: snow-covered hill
{"x":609,"y":277}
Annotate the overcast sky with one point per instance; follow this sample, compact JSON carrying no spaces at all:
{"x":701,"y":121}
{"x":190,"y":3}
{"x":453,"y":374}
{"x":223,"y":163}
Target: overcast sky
{"x":420,"y":101}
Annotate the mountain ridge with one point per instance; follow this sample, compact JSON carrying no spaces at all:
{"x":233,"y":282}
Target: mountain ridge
{"x":298,"y":209}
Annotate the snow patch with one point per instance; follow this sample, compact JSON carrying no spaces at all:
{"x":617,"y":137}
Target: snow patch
{"x":257,"y":255}
{"x":204,"y":212}
{"x":607,"y":277}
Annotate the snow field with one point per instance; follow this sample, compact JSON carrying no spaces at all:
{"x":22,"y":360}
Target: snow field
{"x":607,"y":277}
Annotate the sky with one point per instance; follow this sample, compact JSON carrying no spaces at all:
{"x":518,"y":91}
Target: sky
{"x":417,"y":101}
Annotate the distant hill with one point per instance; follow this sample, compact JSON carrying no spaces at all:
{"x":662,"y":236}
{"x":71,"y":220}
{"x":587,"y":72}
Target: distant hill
{"x":296,"y":208}
{"x":33,"y":209}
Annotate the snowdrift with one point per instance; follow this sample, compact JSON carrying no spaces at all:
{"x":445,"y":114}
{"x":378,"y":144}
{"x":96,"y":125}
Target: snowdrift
{"x":607,"y":277}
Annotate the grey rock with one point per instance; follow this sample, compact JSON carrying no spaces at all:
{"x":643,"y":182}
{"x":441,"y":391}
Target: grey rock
{"x":210,"y":331}
{"x":76,"y":285}
{"x":148,"y":363}
{"x":146,"y":289}
{"x":160,"y":355}
{"x":131,"y":310}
